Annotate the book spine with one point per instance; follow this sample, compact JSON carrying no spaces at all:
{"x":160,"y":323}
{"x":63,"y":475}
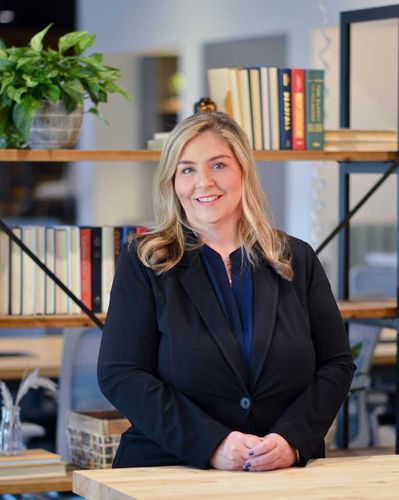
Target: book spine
{"x":50,"y":263}
{"x":284,"y":96}
{"x":85,"y":266}
{"x":298,"y":108}
{"x":28,"y":271}
{"x":256,"y":107}
{"x":107,"y":265}
{"x":62,"y":268}
{"x":274,"y":108}
{"x":4,"y":274}
{"x":117,"y":242}
{"x":314,"y":105}
{"x":243,"y":80}
{"x":40,"y":279}
{"x":265,"y":103}
{"x":75,"y":268}
{"x":96,"y":268}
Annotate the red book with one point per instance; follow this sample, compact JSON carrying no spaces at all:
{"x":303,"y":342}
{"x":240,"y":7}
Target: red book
{"x":141,"y":229}
{"x":85,"y":266}
{"x":298,"y":108}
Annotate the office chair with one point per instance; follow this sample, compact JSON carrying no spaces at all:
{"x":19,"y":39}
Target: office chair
{"x":78,"y":386}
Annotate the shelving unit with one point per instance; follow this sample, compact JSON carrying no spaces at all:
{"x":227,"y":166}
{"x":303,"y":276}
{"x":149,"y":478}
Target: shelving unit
{"x":372,"y":165}
{"x":349,"y":310}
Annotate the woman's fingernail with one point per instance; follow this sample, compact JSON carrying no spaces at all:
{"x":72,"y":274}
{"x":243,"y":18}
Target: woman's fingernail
{"x":251,"y":453}
{"x":246,"y":466}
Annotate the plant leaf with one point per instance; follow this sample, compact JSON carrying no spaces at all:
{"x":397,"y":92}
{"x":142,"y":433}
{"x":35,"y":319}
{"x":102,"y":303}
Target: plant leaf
{"x":36,"y":41}
{"x":15,"y":94}
{"x":75,"y":90}
{"x":85,"y":43}
{"x":71,"y":39}
{"x":23,"y":114}
{"x":97,"y":113}
{"x":51,"y":92}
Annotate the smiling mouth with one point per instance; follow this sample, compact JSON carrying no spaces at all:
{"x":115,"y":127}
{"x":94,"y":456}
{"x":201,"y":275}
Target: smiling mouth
{"x":208,"y":199}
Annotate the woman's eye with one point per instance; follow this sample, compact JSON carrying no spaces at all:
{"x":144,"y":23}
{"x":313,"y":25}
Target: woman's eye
{"x":218,"y":166}
{"x":186,"y":170}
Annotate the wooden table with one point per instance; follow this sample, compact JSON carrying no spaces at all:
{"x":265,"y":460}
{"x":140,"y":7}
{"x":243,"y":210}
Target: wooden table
{"x":354,"y":477}
{"x":42,"y":352}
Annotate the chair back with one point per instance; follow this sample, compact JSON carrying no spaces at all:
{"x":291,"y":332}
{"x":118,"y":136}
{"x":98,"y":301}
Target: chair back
{"x":78,"y":387}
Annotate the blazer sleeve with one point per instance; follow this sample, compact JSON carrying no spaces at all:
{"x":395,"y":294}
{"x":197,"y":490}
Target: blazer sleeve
{"x":306,"y":421}
{"x":127,"y":371}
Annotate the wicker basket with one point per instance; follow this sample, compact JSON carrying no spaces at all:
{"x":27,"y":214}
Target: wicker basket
{"x":93,"y":437}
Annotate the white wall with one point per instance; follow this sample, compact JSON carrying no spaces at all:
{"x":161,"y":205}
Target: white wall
{"x":129,"y":26}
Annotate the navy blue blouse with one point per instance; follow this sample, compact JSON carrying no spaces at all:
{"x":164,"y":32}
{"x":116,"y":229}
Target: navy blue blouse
{"x":236,"y":300}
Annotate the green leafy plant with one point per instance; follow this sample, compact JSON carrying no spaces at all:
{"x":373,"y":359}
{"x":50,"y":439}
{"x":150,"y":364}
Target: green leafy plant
{"x":31,"y":74}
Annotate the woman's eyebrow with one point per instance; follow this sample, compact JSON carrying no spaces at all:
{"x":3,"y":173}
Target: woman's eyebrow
{"x":213,"y":158}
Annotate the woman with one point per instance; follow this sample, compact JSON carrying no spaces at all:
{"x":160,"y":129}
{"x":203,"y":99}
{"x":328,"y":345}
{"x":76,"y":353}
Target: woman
{"x":223,"y":344}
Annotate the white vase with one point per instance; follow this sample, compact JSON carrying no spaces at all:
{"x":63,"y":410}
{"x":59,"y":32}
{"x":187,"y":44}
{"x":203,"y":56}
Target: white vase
{"x":54,"y":128}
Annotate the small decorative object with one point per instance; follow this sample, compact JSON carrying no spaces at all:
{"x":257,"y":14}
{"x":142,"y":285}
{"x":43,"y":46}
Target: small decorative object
{"x":10,"y":427}
{"x":42,"y":80}
{"x":205,"y":104}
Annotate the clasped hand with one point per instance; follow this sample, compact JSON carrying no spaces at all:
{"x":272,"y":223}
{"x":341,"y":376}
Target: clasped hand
{"x":247,"y":452}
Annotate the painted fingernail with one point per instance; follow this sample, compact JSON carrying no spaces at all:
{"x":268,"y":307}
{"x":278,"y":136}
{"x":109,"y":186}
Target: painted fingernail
{"x":246,"y":467}
{"x":251,"y":453}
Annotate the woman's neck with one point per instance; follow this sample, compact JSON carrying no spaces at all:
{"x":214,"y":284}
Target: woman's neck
{"x":223,"y":240}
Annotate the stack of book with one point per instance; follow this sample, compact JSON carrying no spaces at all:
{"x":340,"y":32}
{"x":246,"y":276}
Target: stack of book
{"x":83,"y":258}
{"x":346,"y":139}
{"x":278,"y":108}
{"x":31,"y":463}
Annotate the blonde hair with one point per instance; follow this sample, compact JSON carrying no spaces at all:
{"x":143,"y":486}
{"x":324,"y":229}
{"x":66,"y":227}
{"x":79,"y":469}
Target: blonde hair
{"x":162,"y":248}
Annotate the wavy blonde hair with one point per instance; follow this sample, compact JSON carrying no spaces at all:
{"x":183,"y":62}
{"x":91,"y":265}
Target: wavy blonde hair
{"x":162,"y":248}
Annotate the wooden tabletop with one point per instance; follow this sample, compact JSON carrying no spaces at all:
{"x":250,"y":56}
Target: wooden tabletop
{"x":19,"y":354}
{"x":354,"y":477}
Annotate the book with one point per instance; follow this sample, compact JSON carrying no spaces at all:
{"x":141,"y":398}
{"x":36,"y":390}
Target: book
{"x":4,"y":274}
{"x":28,"y":271}
{"x":284,"y":105}
{"x":62,"y":271}
{"x":298,"y":108}
{"x":314,"y":108}
{"x":265,"y":103}
{"x":117,"y":242}
{"x":107,"y":265}
{"x":274,"y":109}
{"x":74,"y":254}
{"x":219,"y":89}
{"x":245,"y":100}
{"x":96,"y":257}
{"x":360,"y":146}
{"x":32,"y":463}
{"x":85,"y":266}
{"x":40,"y":295}
{"x":256,"y":107}
{"x":235,"y":96}
{"x":16,"y":275}
{"x":50,"y":263}
{"x":347,"y":134}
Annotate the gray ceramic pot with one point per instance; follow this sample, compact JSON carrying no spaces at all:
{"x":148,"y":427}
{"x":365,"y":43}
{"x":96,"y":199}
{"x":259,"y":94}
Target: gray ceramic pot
{"x":54,"y":128}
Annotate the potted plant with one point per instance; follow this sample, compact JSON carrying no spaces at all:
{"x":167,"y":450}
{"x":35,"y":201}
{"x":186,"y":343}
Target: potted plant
{"x":35,"y":80}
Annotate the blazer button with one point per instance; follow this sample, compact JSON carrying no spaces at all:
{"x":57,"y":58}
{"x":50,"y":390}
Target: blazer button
{"x":245,"y":403}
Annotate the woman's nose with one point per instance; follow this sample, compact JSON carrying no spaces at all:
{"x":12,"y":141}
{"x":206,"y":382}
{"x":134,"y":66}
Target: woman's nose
{"x":204,"y":178}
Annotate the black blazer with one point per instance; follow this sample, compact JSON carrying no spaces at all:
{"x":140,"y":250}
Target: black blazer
{"x":169,"y":362}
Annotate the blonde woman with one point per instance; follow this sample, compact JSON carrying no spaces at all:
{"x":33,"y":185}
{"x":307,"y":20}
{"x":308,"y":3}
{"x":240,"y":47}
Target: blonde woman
{"x":223,"y":344}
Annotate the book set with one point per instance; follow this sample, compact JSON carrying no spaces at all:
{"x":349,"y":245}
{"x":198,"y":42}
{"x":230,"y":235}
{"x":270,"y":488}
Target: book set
{"x":278,"y":108}
{"x":361,"y":140}
{"x":83,"y":258}
{"x":31,"y":463}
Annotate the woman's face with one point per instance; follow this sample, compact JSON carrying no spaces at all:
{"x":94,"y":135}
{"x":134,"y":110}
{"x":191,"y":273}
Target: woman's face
{"x":208,"y":182}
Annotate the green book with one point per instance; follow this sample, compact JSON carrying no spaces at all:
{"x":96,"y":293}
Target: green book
{"x":314,"y":116}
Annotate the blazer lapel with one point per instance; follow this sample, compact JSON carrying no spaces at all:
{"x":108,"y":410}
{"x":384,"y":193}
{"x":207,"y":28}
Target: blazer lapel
{"x":195,"y":281}
{"x":266,"y":289}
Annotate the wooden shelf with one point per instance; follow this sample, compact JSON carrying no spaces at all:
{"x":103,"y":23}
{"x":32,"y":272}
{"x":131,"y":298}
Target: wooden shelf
{"x":349,"y":310}
{"x":70,"y":155}
{"x":51,"y":321}
{"x":368,"y":309}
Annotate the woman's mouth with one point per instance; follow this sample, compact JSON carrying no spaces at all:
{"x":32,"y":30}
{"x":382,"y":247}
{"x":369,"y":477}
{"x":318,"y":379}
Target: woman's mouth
{"x":208,"y":200}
